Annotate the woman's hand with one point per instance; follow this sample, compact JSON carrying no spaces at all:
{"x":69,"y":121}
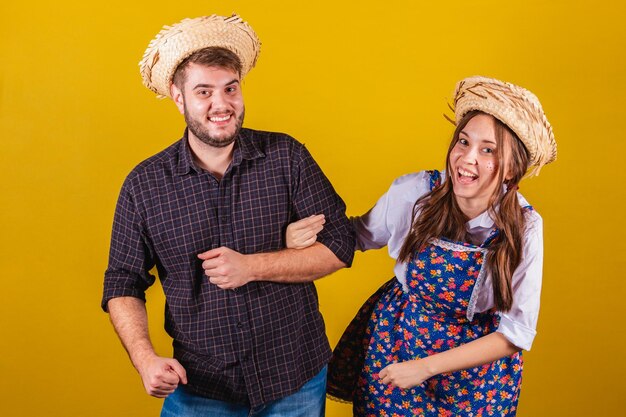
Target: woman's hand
{"x":478,"y":352}
{"x":303,"y":233}
{"x":405,"y":375}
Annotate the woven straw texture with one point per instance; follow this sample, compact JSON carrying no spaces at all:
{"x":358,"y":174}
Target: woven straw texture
{"x":175,"y":43}
{"x":515,"y":106}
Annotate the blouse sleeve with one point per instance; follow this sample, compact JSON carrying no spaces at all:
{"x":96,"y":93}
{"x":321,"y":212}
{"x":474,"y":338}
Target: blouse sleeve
{"x":371,"y":228}
{"x":519,"y":324}
{"x":389,"y":221}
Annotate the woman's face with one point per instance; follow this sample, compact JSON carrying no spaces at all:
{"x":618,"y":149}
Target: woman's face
{"x":474,"y":165}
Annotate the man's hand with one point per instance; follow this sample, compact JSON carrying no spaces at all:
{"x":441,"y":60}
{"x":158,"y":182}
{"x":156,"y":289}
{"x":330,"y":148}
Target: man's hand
{"x":161,"y":376}
{"x":405,"y":375}
{"x":303,"y":233}
{"x":226,"y":268}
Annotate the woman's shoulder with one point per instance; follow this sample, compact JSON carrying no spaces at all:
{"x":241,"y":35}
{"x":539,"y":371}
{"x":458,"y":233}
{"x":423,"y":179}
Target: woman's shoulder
{"x":410,"y":186}
{"x":532,"y":217}
{"x":533,"y":224}
{"x":417,"y":179}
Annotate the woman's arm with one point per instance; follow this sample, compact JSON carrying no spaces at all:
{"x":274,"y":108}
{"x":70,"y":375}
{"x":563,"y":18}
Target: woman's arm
{"x":303,"y":233}
{"x":393,"y":209}
{"x":519,"y":324}
{"x":483,"y":350}
{"x":515,"y":332}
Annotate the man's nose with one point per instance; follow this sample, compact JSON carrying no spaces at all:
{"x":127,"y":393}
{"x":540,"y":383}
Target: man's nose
{"x":218,"y":101}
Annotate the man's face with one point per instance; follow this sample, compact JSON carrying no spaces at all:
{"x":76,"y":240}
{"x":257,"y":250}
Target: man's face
{"x":212,"y":104}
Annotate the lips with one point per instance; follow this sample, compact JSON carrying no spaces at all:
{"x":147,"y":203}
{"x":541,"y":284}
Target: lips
{"x":220,"y":118}
{"x":466,"y":177}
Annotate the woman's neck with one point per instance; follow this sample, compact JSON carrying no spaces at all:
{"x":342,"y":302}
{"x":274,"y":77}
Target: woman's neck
{"x":471,"y":209}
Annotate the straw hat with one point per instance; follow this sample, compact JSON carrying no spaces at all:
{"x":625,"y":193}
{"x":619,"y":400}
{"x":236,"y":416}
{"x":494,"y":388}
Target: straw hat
{"x":175,"y":43}
{"x":516,"y":107}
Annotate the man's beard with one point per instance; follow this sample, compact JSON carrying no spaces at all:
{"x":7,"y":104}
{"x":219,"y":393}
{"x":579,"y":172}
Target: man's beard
{"x":205,"y":137}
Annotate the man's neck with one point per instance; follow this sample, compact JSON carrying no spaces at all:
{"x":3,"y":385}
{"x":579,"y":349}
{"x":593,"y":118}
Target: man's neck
{"x":210,"y":158}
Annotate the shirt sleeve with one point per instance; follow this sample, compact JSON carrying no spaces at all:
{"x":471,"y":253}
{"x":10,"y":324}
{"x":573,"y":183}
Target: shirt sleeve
{"x":389,"y":221}
{"x":314,"y":194}
{"x":519,"y":324}
{"x":371,"y":228}
{"x":130,"y":256}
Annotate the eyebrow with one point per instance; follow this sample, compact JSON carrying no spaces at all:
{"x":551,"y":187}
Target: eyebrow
{"x":235,"y":81}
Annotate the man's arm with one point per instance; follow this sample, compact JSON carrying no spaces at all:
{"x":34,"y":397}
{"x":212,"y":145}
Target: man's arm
{"x":229,"y":269}
{"x":312,"y":194}
{"x":160,"y":375}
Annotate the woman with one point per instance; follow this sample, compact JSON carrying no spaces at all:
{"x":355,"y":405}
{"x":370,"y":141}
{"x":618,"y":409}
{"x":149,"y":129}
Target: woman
{"x":445,"y":336}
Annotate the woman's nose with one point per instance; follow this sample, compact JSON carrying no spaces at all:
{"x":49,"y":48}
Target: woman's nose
{"x":470,"y":155}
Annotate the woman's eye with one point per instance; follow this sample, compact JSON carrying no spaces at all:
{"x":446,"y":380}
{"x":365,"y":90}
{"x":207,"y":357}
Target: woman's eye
{"x":488,"y":150}
{"x":463,"y":141}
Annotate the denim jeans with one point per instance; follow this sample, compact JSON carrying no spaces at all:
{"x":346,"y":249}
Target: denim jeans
{"x":310,"y":401}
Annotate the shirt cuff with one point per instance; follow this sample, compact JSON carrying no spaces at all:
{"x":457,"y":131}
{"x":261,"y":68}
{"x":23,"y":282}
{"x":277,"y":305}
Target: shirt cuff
{"x":114,"y":292}
{"x":342,"y":250}
{"x":516,"y":333}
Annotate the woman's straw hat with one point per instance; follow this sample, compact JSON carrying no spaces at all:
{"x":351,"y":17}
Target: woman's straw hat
{"x":175,"y":43}
{"x":516,"y":107}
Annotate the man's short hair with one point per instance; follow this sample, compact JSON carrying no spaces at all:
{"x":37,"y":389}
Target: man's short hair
{"x":213,"y":56}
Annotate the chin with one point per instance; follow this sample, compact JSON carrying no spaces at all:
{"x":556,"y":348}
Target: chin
{"x":464,"y":193}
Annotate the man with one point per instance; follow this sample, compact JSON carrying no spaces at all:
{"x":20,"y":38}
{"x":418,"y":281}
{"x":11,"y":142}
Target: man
{"x":210,"y":213}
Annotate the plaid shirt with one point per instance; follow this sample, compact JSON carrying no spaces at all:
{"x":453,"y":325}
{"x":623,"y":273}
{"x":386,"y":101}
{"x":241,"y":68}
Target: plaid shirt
{"x":264,"y":340}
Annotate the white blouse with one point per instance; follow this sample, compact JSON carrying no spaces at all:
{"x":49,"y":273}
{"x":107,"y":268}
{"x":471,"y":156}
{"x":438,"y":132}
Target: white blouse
{"x":389,"y":221}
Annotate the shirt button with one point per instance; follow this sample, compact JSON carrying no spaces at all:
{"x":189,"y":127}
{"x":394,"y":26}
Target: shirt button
{"x":239,"y":324}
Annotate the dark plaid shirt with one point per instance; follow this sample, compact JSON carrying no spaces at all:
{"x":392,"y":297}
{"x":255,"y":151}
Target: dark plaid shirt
{"x":264,"y":340}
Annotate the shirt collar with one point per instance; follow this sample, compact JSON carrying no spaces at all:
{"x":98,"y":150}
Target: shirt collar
{"x":245,"y":148}
{"x":483,"y":220}
{"x":185,"y":161}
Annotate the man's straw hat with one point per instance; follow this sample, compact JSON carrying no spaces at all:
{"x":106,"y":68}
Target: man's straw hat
{"x":516,"y":107}
{"x":175,"y":43}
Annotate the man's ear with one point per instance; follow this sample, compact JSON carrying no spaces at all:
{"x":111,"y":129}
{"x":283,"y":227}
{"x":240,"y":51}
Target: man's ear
{"x":178,"y":98}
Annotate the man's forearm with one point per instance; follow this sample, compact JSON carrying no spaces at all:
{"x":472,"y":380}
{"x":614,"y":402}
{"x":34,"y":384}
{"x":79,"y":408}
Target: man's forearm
{"x":160,"y":376}
{"x":230,"y":269}
{"x":295,"y":265}
{"x":130,"y":320}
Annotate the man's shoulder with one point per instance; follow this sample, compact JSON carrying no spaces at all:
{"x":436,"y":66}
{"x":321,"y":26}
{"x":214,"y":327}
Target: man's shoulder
{"x":160,"y":164}
{"x":268,"y":140}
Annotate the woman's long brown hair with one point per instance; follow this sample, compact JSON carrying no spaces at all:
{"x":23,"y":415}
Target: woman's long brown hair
{"x":437,"y":213}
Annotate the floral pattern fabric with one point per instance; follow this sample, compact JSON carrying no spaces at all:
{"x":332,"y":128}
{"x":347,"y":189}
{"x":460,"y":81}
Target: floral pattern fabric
{"x":396,"y":326}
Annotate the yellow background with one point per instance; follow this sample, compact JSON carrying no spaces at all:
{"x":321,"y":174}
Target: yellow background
{"x":364,"y":85}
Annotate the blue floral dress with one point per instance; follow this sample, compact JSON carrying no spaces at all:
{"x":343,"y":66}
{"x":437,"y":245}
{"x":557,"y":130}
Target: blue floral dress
{"x":396,"y":326}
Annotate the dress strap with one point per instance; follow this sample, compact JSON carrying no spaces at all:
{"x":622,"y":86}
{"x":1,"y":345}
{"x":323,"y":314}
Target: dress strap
{"x":492,"y":235}
{"x":435,"y":179}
